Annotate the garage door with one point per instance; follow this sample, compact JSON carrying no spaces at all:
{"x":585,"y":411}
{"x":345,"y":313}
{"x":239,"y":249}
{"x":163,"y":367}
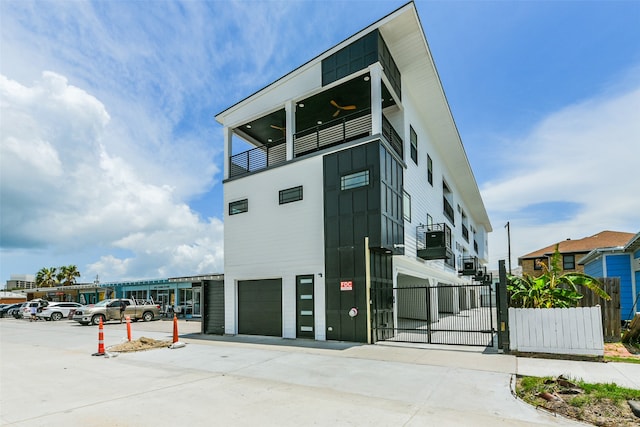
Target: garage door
{"x":260,"y":307}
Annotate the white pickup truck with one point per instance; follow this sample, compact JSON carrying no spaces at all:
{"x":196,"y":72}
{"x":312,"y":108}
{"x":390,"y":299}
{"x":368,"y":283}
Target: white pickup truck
{"x":109,"y":309}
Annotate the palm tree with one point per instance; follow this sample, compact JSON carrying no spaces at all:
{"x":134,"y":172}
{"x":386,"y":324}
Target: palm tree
{"x":46,"y":277}
{"x":551,"y":289}
{"x":68,"y":275}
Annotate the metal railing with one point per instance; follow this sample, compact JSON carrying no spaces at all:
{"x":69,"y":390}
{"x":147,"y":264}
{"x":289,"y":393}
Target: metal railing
{"x":335,"y":132}
{"x":257,"y":158}
{"x":392,"y":137}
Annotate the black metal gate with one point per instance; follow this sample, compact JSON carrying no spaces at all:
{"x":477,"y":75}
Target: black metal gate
{"x":443,"y":314}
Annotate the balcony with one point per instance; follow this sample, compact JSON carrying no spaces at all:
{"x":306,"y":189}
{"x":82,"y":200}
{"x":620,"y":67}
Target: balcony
{"x":335,"y":132}
{"x":470,"y":266}
{"x":434,"y":242}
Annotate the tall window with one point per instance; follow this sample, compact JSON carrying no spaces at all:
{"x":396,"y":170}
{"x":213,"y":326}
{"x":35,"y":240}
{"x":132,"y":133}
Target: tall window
{"x":568,"y":262}
{"x":290,"y":195}
{"x":447,"y":201}
{"x":414,"y":145}
{"x":430,"y":169}
{"x":239,"y":206}
{"x":406,"y":206}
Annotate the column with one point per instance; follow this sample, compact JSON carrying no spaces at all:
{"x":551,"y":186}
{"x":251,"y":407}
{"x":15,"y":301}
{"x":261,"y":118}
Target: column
{"x":228,"y":138}
{"x":375,"y":70}
{"x":290,"y":127}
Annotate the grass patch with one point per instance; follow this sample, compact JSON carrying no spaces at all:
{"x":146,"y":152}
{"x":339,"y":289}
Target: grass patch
{"x":599,"y":404}
{"x":622,"y":359}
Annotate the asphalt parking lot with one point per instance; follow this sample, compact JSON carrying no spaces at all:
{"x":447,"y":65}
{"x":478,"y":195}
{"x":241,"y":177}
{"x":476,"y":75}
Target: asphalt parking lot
{"x":49,"y":378}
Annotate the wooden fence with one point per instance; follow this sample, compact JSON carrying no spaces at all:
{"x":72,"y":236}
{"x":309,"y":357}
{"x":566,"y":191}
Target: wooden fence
{"x":611,"y":325}
{"x":575,"y":331}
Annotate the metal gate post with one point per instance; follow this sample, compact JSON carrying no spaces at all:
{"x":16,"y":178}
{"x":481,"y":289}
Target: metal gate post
{"x":428,"y":298}
{"x":503,"y":310}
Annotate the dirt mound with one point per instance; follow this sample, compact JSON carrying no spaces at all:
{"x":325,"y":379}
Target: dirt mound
{"x":141,"y":344}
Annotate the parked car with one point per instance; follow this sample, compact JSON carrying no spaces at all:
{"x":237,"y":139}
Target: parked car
{"x":25,"y":312}
{"x":17,"y":311}
{"x":4,"y":311}
{"x":57,"y":310}
{"x":109,"y":309}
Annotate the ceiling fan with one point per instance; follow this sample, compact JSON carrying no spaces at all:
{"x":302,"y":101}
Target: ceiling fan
{"x":282,"y":128}
{"x":340,"y":107}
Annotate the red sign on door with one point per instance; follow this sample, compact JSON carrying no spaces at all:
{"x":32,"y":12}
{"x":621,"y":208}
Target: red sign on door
{"x":346,"y":286}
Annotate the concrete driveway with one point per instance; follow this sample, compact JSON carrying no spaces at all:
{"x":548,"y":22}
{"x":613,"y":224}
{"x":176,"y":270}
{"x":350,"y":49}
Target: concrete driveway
{"x":49,"y":378}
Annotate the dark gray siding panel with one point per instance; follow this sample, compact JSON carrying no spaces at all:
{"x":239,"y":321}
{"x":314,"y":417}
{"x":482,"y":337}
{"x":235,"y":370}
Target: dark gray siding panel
{"x":214,"y":307}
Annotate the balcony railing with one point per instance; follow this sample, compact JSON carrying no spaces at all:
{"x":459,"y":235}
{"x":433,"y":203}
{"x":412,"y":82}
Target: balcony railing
{"x":434,"y":242}
{"x":257,"y":158}
{"x":335,"y":132}
{"x":338,"y":131}
{"x":392,"y":137}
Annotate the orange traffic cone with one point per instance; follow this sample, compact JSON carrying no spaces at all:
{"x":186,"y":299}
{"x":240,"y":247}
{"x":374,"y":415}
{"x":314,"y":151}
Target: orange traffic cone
{"x":175,"y":329}
{"x":128,"y":318}
{"x":176,"y":343}
{"x":100,"y":340}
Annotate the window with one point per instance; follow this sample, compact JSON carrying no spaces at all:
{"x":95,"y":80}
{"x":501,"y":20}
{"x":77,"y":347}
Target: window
{"x":290,"y":195}
{"x":430,"y":169}
{"x":239,"y":206}
{"x":354,"y":180}
{"x":447,"y":200}
{"x":406,"y":206}
{"x":568,"y":262}
{"x":414,"y":145}
{"x":537,"y":261}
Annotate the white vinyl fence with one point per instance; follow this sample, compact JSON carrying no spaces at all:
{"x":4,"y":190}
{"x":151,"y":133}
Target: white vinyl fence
{"x":576,"y":331}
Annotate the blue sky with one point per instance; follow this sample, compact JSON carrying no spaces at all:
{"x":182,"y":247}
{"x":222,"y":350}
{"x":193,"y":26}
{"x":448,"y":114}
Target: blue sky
{"x":110,"y":158}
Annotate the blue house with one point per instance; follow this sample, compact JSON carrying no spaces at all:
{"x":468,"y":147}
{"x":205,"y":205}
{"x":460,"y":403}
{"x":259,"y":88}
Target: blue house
{"x":622,"y":262}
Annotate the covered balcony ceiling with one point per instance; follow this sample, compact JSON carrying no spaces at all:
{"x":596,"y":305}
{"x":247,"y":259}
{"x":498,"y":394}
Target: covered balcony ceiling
{"x":353,"y":97}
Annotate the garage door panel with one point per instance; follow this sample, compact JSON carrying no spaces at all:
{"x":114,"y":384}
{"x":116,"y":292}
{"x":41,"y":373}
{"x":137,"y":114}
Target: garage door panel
{"x":260,"y":307}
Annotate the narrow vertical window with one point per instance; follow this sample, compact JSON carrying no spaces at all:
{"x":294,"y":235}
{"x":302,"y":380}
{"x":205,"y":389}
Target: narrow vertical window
{"x":414,"y":145}
{"x":406,"y":206}
{"x":430,"y":169}
{"x":239,"y":206}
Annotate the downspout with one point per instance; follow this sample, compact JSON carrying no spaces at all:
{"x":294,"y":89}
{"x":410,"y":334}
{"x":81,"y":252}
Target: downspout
{"x":367,"y":279}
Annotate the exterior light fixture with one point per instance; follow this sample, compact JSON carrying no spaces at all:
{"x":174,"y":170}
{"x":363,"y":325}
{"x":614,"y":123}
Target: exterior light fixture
{"x":301,"y":105}
{"x":319,"y":122}
{"x":248,"y":126}
{"x":366,"y":78}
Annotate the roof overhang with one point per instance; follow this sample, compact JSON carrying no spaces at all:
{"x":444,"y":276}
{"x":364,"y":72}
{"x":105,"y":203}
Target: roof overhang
{"x":597,"y":253}
{"x":634,"y":244}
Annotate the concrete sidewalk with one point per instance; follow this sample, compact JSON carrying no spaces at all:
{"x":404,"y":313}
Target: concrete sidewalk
{"x":249,"y":381}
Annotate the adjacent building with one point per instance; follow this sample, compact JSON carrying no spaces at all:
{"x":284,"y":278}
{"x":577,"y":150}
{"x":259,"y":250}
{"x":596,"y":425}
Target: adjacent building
{"x":572,"y":251}
{"x":621,"y":261}
{"x":21,"y":281}
{"x":343,"y":180}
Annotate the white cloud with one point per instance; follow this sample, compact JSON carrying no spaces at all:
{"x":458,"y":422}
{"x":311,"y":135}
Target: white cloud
{"x":584,"y":156}
{"x":62,"y":189}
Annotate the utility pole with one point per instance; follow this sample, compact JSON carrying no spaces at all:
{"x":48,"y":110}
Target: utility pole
{"x":508,"y":226}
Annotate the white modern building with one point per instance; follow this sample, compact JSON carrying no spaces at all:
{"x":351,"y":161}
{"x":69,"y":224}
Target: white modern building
{"x":344,"y":180}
